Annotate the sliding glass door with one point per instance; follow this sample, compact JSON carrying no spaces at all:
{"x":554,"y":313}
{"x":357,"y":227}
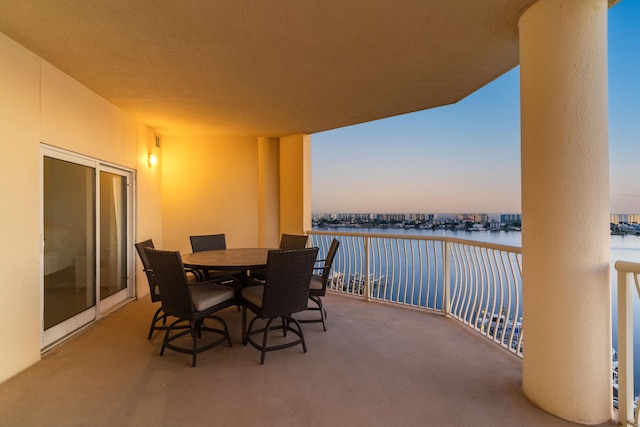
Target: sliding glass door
{"x":113,"y":236}
{"x":87,"y":212}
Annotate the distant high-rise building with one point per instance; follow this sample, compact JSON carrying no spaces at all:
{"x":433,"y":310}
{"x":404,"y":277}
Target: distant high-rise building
{"x":475,"y":217}
{"x":625,"y":218}
{"x":509,"y":218}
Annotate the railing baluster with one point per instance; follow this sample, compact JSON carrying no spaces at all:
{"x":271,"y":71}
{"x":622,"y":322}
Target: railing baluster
{"x":456,"y":285}
{"x":446,"y":287}
{"x":367,"y":285}
{"x":409,"y":277}
{"x":425,"y":276}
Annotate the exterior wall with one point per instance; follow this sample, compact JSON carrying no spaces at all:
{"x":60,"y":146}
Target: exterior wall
{"x":20,"y":195}
{"x":149,"y":201}
{"x":209,"y":186}
{"x":42,"y":104}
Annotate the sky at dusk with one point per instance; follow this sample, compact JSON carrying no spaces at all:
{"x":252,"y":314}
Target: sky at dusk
{"x":465,"y":157}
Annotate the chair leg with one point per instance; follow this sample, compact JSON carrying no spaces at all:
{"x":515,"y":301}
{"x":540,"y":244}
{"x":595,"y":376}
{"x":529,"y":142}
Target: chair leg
{"x":166,"y":335}
{"x":246,"y":332}
{"x":323,"y":313}
{"x":195,"y":334}
{"x":155,"y":320}
{"x":244,"y":325}
{"x":300,"y":334}
{"x":287,"y":320}
{"x":264,"y":340}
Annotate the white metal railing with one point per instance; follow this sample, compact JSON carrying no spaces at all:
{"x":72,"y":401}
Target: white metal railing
{"x":628,"y":275}
{"x":476,"y":283}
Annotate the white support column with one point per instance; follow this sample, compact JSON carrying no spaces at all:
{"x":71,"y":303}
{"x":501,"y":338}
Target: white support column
{"x":565,"y":209}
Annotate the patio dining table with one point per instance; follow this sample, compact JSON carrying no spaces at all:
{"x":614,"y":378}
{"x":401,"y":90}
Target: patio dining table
{"x":245,"y":259}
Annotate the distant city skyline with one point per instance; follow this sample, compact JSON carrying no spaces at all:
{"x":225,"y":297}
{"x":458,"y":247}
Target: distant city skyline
{"x":626,"y":217}
{"x":465,"y":157}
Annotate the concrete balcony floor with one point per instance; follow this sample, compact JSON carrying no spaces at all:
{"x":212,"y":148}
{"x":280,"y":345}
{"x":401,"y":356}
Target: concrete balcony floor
{"x":377,"y":365}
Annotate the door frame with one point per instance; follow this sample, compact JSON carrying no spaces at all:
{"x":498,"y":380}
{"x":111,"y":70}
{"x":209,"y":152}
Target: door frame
{"x":66,"y":329}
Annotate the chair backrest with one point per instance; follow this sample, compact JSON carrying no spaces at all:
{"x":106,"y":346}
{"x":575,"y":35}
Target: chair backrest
{"x":328,"y":262}
{"x":293,"y":241}
{"x":171,"y":278}
{"x":286,"y":290}
{"x":148,"y":271}
{"x":208,"y":242}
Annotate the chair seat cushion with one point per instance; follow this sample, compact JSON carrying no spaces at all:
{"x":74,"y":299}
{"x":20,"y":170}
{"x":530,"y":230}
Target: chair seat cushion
{"x":316,"y":282}
{"x":205,"y":296}
{"x":253,"y":294}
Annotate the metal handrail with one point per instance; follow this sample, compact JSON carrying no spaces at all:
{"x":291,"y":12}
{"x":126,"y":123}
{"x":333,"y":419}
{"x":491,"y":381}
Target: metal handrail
{"x":627,"y":414}
{"x":475,"y":283}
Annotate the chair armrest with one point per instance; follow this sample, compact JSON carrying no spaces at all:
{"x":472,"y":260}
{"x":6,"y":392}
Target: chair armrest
{"x":253,"y":281}
{"x":197,"y":273}
{"x":223,"y":280}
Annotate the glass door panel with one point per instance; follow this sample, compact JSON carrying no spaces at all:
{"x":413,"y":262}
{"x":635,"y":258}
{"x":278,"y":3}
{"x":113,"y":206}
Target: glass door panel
{"x":69,"y":230}
{"x":113,"y":234}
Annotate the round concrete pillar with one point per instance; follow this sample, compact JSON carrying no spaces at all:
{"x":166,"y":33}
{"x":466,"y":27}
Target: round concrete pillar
{"x":565,"y":209}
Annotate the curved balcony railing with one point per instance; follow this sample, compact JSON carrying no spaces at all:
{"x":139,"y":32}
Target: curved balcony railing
{"x":478,"y":284}
{"x":623,"y":376}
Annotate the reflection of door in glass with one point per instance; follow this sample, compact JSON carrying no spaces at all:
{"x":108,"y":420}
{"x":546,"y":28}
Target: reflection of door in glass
{"x":69,"y":279}
{"x":113,"y":234}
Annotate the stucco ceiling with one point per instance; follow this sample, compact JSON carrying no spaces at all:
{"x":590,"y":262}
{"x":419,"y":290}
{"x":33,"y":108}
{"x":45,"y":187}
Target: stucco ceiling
{"x":270,"y":68}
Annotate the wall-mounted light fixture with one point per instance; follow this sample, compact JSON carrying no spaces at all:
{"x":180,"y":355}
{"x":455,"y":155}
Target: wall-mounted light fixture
{"x":153,"y":159}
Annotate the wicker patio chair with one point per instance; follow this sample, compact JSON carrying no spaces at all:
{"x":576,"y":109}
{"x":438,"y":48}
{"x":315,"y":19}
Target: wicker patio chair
{"x":154,"y":292}
{"x":287,"y":241}
{"x":190,"y":303}
{"x":318,"y":285}
{"x":211,"y":242}
{"x":293,"y":241}
{"x":285,"y":291}
{"x":208,"y":242}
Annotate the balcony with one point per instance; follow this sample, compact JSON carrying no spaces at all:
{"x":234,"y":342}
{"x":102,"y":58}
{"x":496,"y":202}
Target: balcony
{"x":388,"y":358}
{"x":377,"y":364}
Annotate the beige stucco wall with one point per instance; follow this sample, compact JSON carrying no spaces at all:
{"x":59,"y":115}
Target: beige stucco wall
{"x":269,"y":192}
{"x":251,"y":189}
{"x":209,"y":186}
{"x":19,"y":192}
{"x":295,"y":184}
{"x":39,"y":103}
{"x":148,"y":200}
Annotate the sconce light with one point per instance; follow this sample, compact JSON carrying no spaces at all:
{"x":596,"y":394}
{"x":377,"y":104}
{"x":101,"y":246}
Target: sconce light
{"x":152,"y":159}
